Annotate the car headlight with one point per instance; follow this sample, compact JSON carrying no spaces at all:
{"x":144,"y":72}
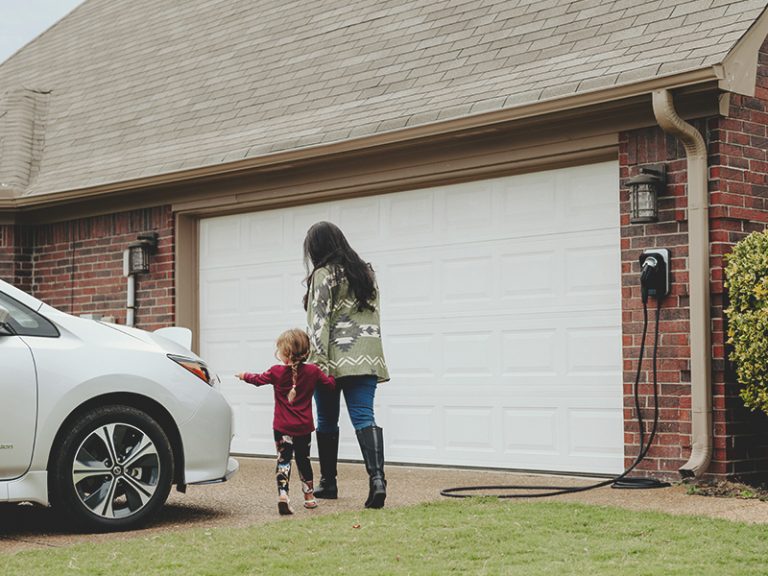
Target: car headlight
{"x":197,"y":367}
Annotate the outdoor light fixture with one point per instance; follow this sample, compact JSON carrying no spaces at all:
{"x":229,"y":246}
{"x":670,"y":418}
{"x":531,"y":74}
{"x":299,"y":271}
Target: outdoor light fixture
{"x":643,"y":192}
{"x":138,"y":253}
{"x":136,"y":261}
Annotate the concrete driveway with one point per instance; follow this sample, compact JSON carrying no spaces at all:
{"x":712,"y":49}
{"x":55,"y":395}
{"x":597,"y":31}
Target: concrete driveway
{"x":249,"y":498}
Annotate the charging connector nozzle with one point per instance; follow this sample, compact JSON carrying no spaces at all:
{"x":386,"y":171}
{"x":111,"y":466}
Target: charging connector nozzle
{"x":654,"y":274}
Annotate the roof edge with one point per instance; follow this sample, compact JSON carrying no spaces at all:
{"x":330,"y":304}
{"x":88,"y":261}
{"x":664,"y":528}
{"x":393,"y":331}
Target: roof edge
{"x":740,"y":64}
{"x":680,"y":80}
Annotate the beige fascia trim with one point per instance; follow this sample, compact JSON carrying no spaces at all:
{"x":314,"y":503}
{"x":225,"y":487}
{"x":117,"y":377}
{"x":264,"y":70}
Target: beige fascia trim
{"x":739,"y":68}
{"x":440,"y":172}
{"x":698,"y":282}
{"x":186,"y":276}
{"x":440,"y":128}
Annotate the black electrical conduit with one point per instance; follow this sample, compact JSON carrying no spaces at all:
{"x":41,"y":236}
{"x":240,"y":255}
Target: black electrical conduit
{"x":620,"y":481}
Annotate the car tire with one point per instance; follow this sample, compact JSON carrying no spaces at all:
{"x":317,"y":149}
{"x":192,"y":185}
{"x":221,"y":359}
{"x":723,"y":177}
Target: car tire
{"x":112,"y":470}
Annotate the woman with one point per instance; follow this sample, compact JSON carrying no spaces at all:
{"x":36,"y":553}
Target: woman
{"x":342,"y":304}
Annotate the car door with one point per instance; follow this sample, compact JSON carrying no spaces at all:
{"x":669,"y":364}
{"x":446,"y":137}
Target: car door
{"x":18,"y":383}
{"x":18,"y":405}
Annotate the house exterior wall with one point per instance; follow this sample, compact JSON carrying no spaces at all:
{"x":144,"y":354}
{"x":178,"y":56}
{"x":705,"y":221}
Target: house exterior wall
{"x":739,"y":205}
{"x":672,"y":442}
{"x":16,"y":255}
{"x":78,"y":266}
{"x":7,"y":251}
{"x":738,"y":186}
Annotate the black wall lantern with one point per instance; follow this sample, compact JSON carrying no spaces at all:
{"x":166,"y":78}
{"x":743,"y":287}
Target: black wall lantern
{"x":139,"y":253}
{"x":643,"y":193}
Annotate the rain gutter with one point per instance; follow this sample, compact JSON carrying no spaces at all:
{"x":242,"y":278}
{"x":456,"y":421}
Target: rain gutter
{"x":698,"y":282}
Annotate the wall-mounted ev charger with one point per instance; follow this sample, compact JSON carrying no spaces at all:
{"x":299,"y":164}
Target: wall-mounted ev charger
{"x":654,"y":276}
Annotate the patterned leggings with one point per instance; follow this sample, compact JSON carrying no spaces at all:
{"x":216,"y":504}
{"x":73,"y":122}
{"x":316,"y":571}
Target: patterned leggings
{"x":287,"y":446}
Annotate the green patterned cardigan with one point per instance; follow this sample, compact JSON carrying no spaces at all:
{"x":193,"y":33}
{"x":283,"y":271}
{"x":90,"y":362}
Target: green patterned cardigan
{"x":344,"y":341}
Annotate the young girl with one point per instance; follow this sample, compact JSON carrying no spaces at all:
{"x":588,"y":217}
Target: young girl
{"x":294,"y":384}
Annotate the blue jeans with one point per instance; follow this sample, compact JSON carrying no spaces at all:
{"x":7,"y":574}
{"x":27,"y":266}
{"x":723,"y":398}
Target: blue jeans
{"x":359,"y":393}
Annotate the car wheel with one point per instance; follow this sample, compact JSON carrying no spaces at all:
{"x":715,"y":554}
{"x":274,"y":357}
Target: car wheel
{"x":113,"y":469}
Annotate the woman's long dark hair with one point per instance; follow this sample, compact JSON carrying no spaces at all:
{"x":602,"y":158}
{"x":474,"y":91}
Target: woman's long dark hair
{"x":325,"y":245}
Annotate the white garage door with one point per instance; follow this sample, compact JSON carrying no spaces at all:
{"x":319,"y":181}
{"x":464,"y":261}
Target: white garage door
{"x":500,"y":313}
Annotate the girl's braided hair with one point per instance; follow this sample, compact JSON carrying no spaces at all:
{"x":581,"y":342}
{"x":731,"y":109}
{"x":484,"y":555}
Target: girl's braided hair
{"x":294,"y":346}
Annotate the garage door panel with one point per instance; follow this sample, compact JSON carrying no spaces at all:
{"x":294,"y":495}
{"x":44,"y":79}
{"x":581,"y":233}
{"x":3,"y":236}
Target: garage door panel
{"x":528,"y":204}
{"x":530,"y":430}
{"x":467,"y":279}
{"x":469,"y":354}
{"x":466,"y":209}
{"x":528,"y":274}
{"x":588,"y":196}
{"x":263,"y":293}
{"x":471,"y":428}
{"x":591,"y":431}
{"x":593,"y":350}
{"x":500,"y":316}
{"x":528,"y":352}
{"x":220,"y":298}
{"x":408,"y":219}
{"x":418,"y":293}
{"x":220,"y":241}
{"x":586,"y":276}
{"x":412,"y":427}
{"x":265,"y":234}
{"x":361,"y":220}
{"x":413,"y":354}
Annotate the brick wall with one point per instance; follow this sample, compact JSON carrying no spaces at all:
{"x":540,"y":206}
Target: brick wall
{"x":7,"y":253}
{"x":672,"y":443}
{"x":16,"y":256}
{"x":738,"y":206}
{"x":78,"y":266}
{"x":738,"y":186}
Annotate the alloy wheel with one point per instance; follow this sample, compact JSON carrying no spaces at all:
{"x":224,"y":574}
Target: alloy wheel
{"x":116,"y":470}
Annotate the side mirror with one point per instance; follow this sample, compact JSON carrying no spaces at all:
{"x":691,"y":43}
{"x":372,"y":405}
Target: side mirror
{"x":5,"y":327}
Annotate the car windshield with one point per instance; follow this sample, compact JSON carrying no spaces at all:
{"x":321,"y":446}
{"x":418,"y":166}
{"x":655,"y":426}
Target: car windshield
{"x":25,"y":321}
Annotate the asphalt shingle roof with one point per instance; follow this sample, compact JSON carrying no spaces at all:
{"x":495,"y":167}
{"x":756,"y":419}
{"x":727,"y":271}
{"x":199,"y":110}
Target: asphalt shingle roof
{"x":133,"y":89}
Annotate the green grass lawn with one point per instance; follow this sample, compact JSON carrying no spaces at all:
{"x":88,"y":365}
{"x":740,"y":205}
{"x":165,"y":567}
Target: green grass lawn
{"x":478,"y":536}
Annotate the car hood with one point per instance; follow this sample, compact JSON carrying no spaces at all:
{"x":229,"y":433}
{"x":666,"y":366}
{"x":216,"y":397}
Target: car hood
{"x":168,"y":346}
{"x":94,"y":331}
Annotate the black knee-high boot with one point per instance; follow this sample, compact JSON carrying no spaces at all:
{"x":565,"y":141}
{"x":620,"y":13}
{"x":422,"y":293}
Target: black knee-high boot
{"x":371,"y":442}
{"x":328,"y":452}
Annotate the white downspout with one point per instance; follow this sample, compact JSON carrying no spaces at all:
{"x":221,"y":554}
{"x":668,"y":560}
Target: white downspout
{"x":698,"y":282}
{"x":130,"y":306}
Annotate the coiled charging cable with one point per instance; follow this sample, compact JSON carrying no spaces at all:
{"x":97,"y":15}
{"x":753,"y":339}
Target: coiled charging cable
{"x":620,"y":481}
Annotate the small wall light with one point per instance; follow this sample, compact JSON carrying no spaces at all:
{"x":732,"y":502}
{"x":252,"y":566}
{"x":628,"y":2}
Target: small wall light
{"x":643,"y":192}
{"x":136,"y":261}
{"x":138,"y":253}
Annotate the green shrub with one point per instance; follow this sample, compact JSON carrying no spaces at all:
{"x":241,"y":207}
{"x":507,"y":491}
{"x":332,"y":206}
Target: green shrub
{"x":746,"y":277}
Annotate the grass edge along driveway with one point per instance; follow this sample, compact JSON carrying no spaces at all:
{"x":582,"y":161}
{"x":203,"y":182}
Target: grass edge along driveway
{"x":477,"y":536}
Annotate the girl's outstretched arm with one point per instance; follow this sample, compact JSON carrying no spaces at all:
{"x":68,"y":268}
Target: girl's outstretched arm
{"x":257,"y":379}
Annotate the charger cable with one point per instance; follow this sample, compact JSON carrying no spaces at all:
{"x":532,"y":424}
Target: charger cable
{"x":622,"y":480}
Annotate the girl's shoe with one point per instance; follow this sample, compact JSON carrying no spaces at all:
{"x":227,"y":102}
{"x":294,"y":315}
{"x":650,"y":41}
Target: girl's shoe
{"x":309,"y":495}
{"x":284,"y":505}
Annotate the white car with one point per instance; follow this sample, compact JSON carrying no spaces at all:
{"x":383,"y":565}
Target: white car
{"x":99,"y":420}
